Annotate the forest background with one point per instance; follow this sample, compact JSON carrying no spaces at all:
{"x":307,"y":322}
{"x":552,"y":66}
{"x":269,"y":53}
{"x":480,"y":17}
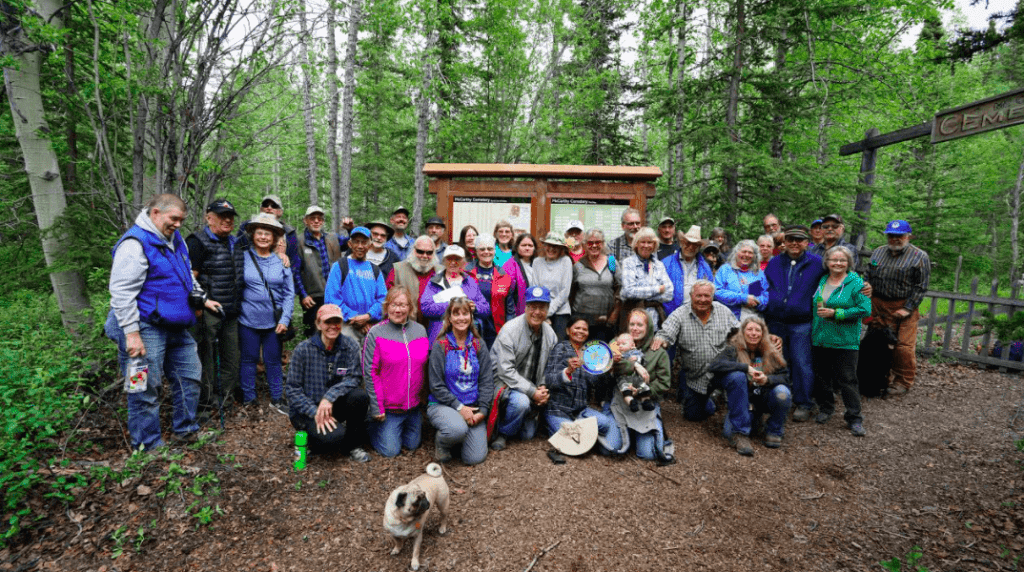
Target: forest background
{"x":743,"y":104}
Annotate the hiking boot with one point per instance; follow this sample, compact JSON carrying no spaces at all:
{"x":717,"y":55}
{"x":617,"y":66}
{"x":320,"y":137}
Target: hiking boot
{"x":279,"y":405}
{"x":822,"y":418}
{"x":556,"y":457}
{"x":743,"y":446}
{"x":648,"y":405}
{"x":498,"y":443}
{"x":897,"y":391}
{"x":359,"y":455}
{"x":185,"y":439}
{"x":801,"y":414}
{"x":772,"y":441}
{"x":857,"y":429}
{"x":442,"y":454}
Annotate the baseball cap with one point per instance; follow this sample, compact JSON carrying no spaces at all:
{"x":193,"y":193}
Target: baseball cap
{"x":453,"y":250}
{"x":898,"y":227}
{"x":538,"y":294}
{"x":797,"y":231}
{"x":313,"y":209}
{"x":221,"y":206}
{"x":573,"y":224}
{"x":274,"y":199}
{"x":400,"y":209}
{"x":834,"y":217}
{"x":359,"y":230}
{"x":436,"y":220}
{"x":328,"y":311}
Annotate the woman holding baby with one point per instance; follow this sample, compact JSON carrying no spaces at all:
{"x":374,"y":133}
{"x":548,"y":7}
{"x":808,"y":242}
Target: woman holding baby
{"x":643,"y":425}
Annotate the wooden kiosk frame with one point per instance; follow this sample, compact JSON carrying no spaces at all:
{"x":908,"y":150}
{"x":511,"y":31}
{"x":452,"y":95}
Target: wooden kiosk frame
{"x":542,"y":186}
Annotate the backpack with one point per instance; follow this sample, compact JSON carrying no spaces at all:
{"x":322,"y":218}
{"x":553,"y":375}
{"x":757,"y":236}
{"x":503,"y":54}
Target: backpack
{"x":343,"y":267}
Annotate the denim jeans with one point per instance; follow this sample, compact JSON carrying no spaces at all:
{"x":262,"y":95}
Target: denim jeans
{"x":399,"y":429}
{"x":696,"y":406}
{"x":453,"y":431}
{"x":251,"y":340}
{"x":776,"y":403}
{"x":606,"y":427}
{"x":649,"y":444}
{"x":518,"y":420}
{"x":837,"y":369}
{"x":171,"y":354}
{"x":796,"y":348}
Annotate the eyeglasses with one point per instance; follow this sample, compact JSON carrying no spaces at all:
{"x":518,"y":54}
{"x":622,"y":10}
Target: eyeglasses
{"x":631,"y":223}
{"x":426,"y":252}
{"x":829,"y":226}
{"x":595,"y":242}
{"x":843,"y":260}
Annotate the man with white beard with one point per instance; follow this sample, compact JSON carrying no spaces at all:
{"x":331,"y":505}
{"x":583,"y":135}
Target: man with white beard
{"x":415,"y":271}
{"x":378,"y":253}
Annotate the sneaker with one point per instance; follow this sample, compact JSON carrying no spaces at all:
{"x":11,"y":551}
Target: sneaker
{"x":498,"y":443}
{"x":821,"y":418}
{"x":743,"y":446}
{"x":359,"y":455}
{"x":186,"y":439}
{"x":442,"y":454}
{"x":801,"y":414}
{"x":857,"y":429}
{"x":648,"y":405}
{"x":634,"y":405}
{"x":772,"y":441}
{"x":279,"y":405}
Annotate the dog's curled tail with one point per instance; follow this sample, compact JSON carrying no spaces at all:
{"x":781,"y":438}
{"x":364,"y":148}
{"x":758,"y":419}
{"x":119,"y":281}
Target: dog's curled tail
{"x":434,"y":470}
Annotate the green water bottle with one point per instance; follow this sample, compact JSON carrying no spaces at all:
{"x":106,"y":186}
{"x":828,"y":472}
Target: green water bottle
{"x":300,"y":450}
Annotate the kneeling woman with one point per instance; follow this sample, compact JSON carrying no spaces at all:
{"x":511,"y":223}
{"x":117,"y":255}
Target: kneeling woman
{"x":461,"y":386}
{"x":324,"y":394}
{"x":570,"y":386}
{"x":753,"y":373}
{"x":394,"y":371}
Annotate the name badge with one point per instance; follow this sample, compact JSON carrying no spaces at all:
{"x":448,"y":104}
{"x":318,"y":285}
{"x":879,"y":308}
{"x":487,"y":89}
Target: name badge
{"x":341,"y":371}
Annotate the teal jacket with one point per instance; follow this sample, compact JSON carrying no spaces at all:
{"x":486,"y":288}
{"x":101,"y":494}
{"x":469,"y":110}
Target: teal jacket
{"x":843,"y":331}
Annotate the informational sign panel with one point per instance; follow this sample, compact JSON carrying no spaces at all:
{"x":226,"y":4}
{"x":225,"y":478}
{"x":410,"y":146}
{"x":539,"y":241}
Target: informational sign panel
{"x":605,"y":214}
{"x":484,"y":212}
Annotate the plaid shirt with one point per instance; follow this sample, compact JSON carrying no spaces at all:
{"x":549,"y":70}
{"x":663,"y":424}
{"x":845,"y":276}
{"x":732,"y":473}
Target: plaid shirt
{"x":621,"y":249}
{"x":698,"y":342}
{"x":900,"y":276}
{"x":315,"y":373}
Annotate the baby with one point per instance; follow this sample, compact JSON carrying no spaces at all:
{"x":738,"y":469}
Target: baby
{"x":634,"y":387}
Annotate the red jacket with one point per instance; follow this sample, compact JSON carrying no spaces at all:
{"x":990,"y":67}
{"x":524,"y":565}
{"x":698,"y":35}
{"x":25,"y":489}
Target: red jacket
{"x":501,"y":287}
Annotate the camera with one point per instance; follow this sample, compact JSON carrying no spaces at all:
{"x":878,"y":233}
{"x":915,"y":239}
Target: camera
{"x":196,"y":299}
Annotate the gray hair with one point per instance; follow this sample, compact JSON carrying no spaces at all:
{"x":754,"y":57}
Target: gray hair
{"x":484,"y":241}
{"x":838,"y":250}
{"x":166,"y":202}
{"x":599,"y":234}
{"x":703,"y":283}
{"x":630,"y":211}
{"x":645,"y":233}
{"x":749,"y":244}
{"x":425,"y":238}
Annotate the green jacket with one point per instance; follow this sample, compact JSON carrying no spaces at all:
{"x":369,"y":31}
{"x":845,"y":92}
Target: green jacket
{"x":655,"y":361}
{"x":843,"y":331}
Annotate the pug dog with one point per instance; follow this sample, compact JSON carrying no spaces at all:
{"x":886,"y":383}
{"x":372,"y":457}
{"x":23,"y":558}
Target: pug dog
{"x":408,"y":507}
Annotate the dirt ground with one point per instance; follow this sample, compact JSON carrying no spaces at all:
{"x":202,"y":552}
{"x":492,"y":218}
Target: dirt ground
{"x":939,"y":469}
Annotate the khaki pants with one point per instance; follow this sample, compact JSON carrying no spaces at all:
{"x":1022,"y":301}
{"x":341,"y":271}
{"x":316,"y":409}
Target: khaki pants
{"x":904,"y":359}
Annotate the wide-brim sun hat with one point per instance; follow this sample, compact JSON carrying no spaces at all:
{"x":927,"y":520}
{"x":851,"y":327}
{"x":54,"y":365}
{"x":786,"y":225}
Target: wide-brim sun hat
{"x":575,"y":437}
{"x":267,"y":221}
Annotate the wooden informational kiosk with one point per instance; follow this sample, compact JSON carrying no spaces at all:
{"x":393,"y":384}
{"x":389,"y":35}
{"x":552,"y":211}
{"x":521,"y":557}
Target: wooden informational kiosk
{"x":538,"y":198}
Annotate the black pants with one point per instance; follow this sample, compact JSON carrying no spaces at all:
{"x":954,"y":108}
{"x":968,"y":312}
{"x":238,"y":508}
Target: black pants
{"x":837,"y":369}
{"x":350,"y":413}
{"x":309,"y":316}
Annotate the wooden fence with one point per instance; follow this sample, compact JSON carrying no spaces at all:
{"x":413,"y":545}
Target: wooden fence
{"x":957,"y":335}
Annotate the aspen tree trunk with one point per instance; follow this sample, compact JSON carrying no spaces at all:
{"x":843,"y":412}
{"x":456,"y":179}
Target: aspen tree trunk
{"x":341,"y":207}
{"x":25,"y":96}
{"x":307,"y":102}
{"x":732,"y":110}
{"x":332,"y":110}
{"x":1015,"y":223}
{"x":679,"y":149}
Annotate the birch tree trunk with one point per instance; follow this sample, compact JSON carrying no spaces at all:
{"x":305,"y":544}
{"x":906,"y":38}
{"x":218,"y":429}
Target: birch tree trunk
{"x":423,"y":130}
{"x":1015,"y":224}
{"x":341,"y":205}
{"x":307,"y":102}
{"x":334,"y":95}
{"x":679,"y":149}
{"x":732,"y":110}
{"x":25,"y":96}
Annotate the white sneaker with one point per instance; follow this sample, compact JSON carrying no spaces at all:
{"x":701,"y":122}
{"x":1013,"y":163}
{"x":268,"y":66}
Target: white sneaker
{"x":359,"y":455}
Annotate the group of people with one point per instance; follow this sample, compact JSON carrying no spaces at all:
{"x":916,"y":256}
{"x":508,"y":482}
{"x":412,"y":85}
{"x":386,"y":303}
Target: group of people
{"x":485,"y":336}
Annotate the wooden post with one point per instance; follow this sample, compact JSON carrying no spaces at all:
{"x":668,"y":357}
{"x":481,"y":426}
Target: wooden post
{"x":862,"y":207}
{"x":965,"y":343}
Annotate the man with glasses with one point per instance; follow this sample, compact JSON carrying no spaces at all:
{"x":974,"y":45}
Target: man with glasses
{"x":519,"y":355}
{"x":357,"y":286}
{"x":832,"y":235}
{"x":622,"y":247}
{"x":378,"y":253}
{"x":415,"y":271}
{"x":319,"y":250}
{"x":793,"y":277}
{"x":772,"y":227}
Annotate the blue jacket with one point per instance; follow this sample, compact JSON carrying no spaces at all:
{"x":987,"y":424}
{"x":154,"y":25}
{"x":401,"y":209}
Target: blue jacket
{"x":796,"y":305}
{"x":163,"y":300}
{"x":257,"y":308}
{"x":674,"y":268}
{"x":362,"y":292}
{"x":400,"y":253}
{"x":732,"y":286}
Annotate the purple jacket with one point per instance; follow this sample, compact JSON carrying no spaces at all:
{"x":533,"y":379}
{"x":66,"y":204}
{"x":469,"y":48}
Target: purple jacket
{"x":434,"y":311}
{"x":513,"y":269}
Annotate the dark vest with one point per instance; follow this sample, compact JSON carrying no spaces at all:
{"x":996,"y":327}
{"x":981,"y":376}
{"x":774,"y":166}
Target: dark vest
{"x":222,"y":271}
{"x":163,"y":300}
{"x":313,"y":278}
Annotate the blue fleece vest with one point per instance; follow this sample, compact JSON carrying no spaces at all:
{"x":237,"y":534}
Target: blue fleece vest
{"x":163,"y":300}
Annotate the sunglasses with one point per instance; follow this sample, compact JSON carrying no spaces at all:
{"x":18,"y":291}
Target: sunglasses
{"x":829,"y":226}
{"x":270,"y":204}
{"x":595,"y":242}
{"x":418,"y":251}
